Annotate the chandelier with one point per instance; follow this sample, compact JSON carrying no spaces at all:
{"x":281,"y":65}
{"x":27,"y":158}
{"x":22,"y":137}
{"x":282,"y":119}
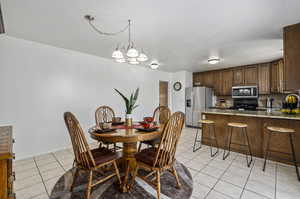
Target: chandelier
{"x":122,"y":54}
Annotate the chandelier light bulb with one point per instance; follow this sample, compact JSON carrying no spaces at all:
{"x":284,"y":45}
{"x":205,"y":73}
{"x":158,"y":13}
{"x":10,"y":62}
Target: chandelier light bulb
{"x":132,"y":61}
{"x":121,"y":60}
{"x":142,"y":57}
{"x":132,"y":53}
{"x":117,"y":54}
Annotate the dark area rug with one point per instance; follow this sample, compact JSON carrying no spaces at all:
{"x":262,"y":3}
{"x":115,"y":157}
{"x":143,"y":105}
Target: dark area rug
{"x":110,"y":189}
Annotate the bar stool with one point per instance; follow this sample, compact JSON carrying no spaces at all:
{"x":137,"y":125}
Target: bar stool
{"x":212,"y":136}
{"x":272,"y":130}
{"x":243,"y":127}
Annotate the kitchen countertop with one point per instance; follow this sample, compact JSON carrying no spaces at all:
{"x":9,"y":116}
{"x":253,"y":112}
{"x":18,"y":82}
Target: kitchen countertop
{"x":262,"y":114}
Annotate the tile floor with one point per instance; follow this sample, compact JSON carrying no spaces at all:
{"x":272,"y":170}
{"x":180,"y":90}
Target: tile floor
{"x":214,"y":178}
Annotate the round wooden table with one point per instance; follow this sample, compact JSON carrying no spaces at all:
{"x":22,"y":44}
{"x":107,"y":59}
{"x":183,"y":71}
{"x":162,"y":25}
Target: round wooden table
{"x":129,"y":137}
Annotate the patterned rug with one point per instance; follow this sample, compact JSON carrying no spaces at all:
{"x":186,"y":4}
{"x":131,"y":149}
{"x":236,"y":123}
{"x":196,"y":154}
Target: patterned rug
{"x":110,"y":189}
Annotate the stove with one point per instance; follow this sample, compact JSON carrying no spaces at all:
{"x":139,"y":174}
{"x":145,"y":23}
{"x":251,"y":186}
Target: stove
{"x":245,"y":103}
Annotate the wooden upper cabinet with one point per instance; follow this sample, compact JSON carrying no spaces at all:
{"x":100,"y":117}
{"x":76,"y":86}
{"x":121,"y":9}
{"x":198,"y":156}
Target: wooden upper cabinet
{"x":238,"y":76}
{"x":198,"y":79}
{"x":227,"y":77}
{"x":208,"y":79}
{"x":277,"y":76}
{"x":264,"y":79}
{"x":250,"y":75}
{"x":217,"y":77}
{"x":291,"y":43}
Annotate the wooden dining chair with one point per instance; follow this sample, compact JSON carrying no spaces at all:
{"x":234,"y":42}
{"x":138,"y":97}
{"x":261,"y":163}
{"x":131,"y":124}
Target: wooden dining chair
{"x":86,"y":159}
{"x":161,"y":115}
{"x":105,"y":114}
{"x":162,"y":158}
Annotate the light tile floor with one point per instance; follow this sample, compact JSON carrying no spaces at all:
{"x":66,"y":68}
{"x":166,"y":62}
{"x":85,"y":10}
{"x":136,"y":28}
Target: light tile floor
{"x":214,"y":178}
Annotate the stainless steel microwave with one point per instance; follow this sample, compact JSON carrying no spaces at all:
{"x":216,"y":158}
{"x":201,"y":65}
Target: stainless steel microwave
{"x":244,"y":92}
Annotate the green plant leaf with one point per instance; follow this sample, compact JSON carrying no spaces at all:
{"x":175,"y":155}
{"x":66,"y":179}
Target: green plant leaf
{"x":136,"y":94}
{"x":125,"y":99}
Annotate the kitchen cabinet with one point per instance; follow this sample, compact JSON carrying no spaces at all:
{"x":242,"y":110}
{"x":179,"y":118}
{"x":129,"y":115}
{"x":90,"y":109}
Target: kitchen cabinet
{"x":291,"y":45}
{"x":217,"y":78}
{"x":264,"y":78}
{"x":250,"y":75}
{"x":246,"y":75}
{"x":227,"y":77}
{"x":277,"y":76}
{"x":208,"y":79}
{"x":197,"y":79}
{"x":238,"y":76}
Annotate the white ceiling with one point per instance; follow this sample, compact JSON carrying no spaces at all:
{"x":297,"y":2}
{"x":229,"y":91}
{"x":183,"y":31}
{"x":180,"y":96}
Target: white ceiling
{"x":182,"y":34}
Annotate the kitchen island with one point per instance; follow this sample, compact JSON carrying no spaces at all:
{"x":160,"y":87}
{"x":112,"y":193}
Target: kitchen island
{"x":257,"y":121}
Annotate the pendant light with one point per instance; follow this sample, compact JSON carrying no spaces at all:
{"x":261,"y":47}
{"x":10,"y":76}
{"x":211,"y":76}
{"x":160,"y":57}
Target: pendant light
{"x":122,"y":55}
{"x":132,"y":60}
{"x":142,"y":57}
{"x":117,"y":54}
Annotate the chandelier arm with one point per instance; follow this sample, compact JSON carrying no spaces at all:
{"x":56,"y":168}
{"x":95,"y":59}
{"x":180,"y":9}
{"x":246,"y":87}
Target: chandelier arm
{"x":107,"y":33}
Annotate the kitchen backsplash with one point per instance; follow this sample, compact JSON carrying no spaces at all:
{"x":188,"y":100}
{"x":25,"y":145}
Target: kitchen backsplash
{"x":262,"y":100}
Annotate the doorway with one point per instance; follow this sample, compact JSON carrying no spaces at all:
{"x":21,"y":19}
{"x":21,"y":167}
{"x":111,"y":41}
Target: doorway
{"x":163,"y":93}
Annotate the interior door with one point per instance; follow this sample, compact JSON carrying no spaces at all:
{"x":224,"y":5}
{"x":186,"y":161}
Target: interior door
{"x":163,"y":93}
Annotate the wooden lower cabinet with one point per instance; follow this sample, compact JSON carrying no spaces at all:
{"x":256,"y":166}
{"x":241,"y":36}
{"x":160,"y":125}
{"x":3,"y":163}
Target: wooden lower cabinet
{"x":7,"y":175}
{"x":257,"y":134}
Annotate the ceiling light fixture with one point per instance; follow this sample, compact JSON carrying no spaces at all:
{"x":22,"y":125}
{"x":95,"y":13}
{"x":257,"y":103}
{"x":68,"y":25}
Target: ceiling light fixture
{"x":132,"y":54}
{"x":213,"y":60}
{"x":154,"y":64}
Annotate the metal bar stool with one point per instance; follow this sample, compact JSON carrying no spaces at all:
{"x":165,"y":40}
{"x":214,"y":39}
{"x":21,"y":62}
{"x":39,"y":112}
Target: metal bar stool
{"x":212,"y":136}
{"x":246,"y":143}
{"x":272,"y":130}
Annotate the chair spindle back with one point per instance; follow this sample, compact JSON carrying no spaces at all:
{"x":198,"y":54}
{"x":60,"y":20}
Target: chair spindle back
{"x":104,"y":114}
{"x":162,"y":114}
{"x":83,"y":155}
{"x":165,"y":155}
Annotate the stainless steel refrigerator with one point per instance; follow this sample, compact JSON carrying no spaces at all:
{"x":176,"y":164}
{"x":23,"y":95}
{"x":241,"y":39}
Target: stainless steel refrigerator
{"x":197,"y":99}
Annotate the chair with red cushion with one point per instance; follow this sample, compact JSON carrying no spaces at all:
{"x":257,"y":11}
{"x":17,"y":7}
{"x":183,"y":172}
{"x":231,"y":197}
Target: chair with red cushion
{"x":86,"y":159}
{"x":161,"y":115}
{"x":105,"y":114}
{"x":161,"y":158}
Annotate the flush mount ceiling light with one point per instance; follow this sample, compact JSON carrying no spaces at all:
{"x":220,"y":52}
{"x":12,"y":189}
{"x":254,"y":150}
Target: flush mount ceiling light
{"x":127,"y":54}
{"x":154,"y":64}
{"x":213,"y":60}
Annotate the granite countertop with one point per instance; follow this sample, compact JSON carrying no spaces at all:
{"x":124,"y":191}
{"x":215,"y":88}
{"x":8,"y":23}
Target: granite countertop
{"x":263,"y":114}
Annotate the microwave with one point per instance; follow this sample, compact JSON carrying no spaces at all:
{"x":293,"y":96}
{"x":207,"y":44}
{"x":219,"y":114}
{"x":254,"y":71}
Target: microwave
{"x":244,"y":92}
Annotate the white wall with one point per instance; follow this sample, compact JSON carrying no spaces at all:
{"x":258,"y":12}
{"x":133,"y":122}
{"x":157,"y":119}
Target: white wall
{"x":178,"y":97}
{"x":38,"y":83}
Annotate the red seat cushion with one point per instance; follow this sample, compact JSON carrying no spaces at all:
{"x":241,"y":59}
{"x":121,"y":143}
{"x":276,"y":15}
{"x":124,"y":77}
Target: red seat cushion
{"x":147,"y":156}
{"x":152,"y":142}
{"x":102,"y":155}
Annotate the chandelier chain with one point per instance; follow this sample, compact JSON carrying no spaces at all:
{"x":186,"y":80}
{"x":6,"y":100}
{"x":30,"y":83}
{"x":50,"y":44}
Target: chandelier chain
{"x":108,"y":33}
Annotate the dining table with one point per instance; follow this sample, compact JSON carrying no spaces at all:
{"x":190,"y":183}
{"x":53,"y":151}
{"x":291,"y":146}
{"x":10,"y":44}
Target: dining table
{"x":129,"y":137}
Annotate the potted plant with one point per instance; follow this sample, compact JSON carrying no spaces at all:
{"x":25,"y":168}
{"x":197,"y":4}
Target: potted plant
{"x":130,"y":105}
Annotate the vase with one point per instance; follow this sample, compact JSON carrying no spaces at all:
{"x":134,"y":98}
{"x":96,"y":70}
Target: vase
{"x":128,"y":120}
